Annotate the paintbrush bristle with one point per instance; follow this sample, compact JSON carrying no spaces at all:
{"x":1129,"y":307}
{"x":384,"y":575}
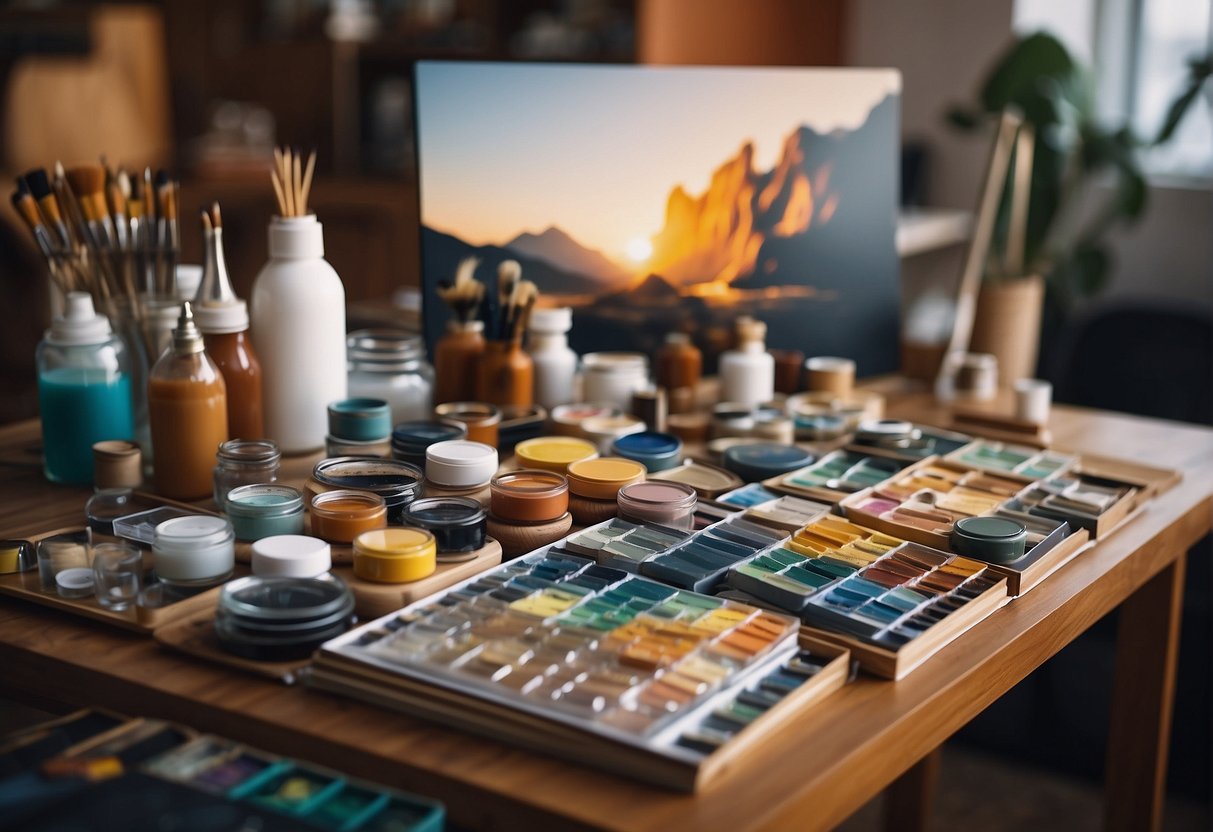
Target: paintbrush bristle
{"x":509,"y":271}
{"x":86,"y":179}
{"x":124,"y":183}
{"x":38,"y":182}
{"x":216,"y":217}
{"x":206,"y":221}
{"x":27,"y":208}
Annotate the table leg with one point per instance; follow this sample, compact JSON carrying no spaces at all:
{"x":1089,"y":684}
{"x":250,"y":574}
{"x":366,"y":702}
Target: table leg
{"x":1147,"y":649}
{"x":908,"y":799}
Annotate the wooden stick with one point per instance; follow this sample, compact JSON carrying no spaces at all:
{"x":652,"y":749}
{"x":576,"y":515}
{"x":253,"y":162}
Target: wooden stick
{"x":278,"y":192}
{"x":1021,"y":198}
{"x":298,"y":183}
{"x":307,"y":179}
{"x":286,"y":183}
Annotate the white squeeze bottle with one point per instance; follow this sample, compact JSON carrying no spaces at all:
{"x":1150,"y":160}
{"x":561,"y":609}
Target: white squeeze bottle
{"x":747,"y":374}
{"x":555,"y":362}
{"x":298,"y":328}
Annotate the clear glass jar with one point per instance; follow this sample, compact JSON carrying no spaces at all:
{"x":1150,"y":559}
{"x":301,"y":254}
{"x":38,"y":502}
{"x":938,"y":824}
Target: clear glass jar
{"x":390,"y":365}
{"x":245,"y":462}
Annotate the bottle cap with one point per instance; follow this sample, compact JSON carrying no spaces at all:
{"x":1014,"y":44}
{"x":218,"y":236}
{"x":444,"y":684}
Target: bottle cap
{"x":551,"y":321}
{"x":186,"y":337}
{"x":750,"y":330}
{"x":221,"y":318}
{"x":296,"y":237}
{"x":677,"y":338}
{"x":79,"y":325}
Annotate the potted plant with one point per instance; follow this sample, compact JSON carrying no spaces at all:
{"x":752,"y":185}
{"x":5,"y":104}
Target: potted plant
{"x":1085,"y":181}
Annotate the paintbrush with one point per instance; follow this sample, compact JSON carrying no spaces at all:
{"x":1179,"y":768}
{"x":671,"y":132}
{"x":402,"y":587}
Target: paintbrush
{"x":169,"y":233}
{"x":508,"y":274}
{"x":117,"y":209}
{"x":465,"y":295}
{"x":88,"y":184}
{"x":27,"y":208}
{"x":40,"y":186}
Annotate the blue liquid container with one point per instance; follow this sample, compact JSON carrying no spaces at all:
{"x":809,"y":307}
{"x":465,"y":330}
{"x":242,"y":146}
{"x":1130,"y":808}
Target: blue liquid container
{"x":84,"y":390}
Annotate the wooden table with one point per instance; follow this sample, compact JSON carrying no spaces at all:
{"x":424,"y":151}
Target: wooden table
{"x":813,"y":776}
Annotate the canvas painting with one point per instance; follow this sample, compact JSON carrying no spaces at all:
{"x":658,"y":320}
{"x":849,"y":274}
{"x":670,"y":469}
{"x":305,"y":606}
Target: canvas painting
{"x":654,"y":199}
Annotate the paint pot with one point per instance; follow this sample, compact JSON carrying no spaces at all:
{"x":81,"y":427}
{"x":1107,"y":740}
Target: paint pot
{"x":656,"y":451}
{"x":410,"y":439}
{"x":291,"y":556}
{"x":263,"y":510}
{"x":360,"y":420}
{"x":398,"y":483}
{"x":395,"y":556}
{"x":612,"y":377}
{"x":519,"y":538}
{"x":553,"y":453}
{"x":604,"y":430}
{"x":594,"y":487}
{"x":669,"y":504}
{"x":117,"y":463}
{"x":457,"y":523}
{"x":529,"y":496}
{"x":763,"y":460}
{"x":481,"y":420}
{"x":460,"y":463}
{"x":567,"y":418}
{"x":992,"y":539}
{"x":194,"y":551}
{"x":828,"y":374}
{"x":281,"y":619}
{"x":340,"y":516}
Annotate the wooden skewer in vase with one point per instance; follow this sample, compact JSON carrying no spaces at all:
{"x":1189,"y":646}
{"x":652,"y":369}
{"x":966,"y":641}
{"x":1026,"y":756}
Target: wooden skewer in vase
{"x":292,"y":181}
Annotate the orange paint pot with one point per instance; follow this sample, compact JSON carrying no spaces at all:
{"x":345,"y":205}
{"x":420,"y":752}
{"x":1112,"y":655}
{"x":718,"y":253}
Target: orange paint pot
{"x":529,"y":496}
{"x":340,"y":516}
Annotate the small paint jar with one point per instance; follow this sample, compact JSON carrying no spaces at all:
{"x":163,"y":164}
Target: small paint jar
{"x":76,"y":583}
{"x":529,"y":496}
{"x":594,"y":487}
{"x":992,"y":539}
{"x":263,"y":510}
{"x":398,"y":483}
{"x":194,"y":551}
{"x":460,"y":463}
{"x":604,"y":430}
{"x":395,"y":556}
{"x":360,"y":420}
{"x":334,"y":446}
{"x":553,"y":453}
{"x":567,"y":418}
{"x":340,"y":516}
{"x":457,"y":523}
{"x":656,"y":451}
{"x":759,"y":461}
{"x":520,"y":538}
{"x":612,"y":377}
{"x":481,"y":420}
{"x":281,"y":618}
{"x":291,"y":556}
{"x":410,"y":439}
{"x":669,"y":504}
{"x":689,"y":427}
{"x":117,"y":463}
{"x":245,"y":462}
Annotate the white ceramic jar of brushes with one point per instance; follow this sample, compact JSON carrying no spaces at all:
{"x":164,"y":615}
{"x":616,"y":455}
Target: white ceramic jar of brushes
{"x":298,"y":327}
{"x":555,"y":362}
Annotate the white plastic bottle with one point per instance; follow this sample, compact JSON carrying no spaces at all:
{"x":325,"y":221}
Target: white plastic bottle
{"x":555,"y":362}
{"x":298,"y":328}
{"x":747,"y":374}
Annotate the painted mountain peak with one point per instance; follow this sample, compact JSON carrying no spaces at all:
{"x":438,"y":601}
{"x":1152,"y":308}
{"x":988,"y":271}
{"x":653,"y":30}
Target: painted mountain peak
{"x":554,"y":246}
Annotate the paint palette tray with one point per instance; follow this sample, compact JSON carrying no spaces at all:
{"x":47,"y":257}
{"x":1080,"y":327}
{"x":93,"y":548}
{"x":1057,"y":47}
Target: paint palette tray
{"x":622,"y":544}
{"x":701,"y":562}
{"x":564,"y":655}
{"x":836,"y":475}
{"x":747,"y":496}
{"x":1017,"y":461}
{"x":791,"y":514}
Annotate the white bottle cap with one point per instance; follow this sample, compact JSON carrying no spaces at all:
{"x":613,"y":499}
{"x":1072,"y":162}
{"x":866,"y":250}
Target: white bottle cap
{"x":291,"y":556}
{"x":460,"y":463}
{"x":296,"y":237}
{"x":221,"y":318}
{"x":79,"y":325}
{"x":551,"y":321}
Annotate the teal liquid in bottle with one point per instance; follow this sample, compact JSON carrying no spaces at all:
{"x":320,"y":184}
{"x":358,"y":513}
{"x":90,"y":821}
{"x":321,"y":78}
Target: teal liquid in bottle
{"x":81,"y":406}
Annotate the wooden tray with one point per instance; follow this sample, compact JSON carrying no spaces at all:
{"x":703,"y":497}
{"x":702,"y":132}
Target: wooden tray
{"x":28,"y":587}
{"x":372,"y":600}
{"x":194,"y":634}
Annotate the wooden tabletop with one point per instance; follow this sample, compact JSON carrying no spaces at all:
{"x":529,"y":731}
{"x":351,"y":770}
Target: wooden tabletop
{"x":814,"y":775}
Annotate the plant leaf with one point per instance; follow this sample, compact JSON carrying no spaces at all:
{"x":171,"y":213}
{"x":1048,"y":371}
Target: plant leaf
{"x":1017,"y":73}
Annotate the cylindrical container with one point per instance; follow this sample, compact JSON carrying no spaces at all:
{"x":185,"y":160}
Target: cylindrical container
{"x":159,"y":319}
{"x":117,"y":575}
{"x":59,"y":552}
{"x":656,"y":451}
{"x":529,"y":496}
{"x":604,"y":430}
{"x":651,"y":407}
{"x":194,"y":551}
{"x":456,"y":358}
{"x":506,"y":375}
{"x":553,"y":453}
{"x":381,"y":448}
{"x":1033,"y":398}
{"x":679,"y":363}
{"x":773,"y":425}
{"x":224,"y":327}
{"x":76,"y":583}
{"x":689,"y":427}
{"x":612,"y":377}
{"x":244,"y":462}
{"x":398,"y":483}
{"x":567,"y":418}
{"x":389,"y":364}
{"x":828,"y":374}
{"x":410,"y":439}
{"x":976,"y":377}
{"x":394,"y":556}
{"x":460,"y":463}
{"x":264,"y":510}
{"x":281,"y":619}
{"x":664,"y":503}
{"x":519,"y":424}
{"x":757,"y":461}
{"x":298,"y":315}
{"x":481,"y":420}
{"x":594,"y":487}
{"x":747,"y":374}
{"x":187,"y":409}
{"x":555,"y":363}
{"x":520,"y":538}
{"x":117,"y":463}
{"x":360,"y":420}
{"x":788,"y":364}
{"x":291,"y":556}
{"x":340,"y":516}
{"x":992,"y":539}
{"x":84,"y":390}
{"x":457,"y":523}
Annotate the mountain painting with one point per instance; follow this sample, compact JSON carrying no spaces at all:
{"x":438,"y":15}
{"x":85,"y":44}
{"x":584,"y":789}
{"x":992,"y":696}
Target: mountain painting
{"x":654,"y":199}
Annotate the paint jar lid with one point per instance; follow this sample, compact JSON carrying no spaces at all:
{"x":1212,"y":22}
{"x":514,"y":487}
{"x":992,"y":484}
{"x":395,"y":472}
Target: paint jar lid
{"x":399,"y":540}
{"x":707,"y":480}
{"x":656,"y":493}
{"x":291,"y":556}
{"x":460,"y":463}
{"x":79,"y":325}
{"x":616,"y":362}
{"x":444,"y":513}
{"x":996,"y":539}
{"x":395,"y":555}
{"x":414,"y":437}
{"x":264,"y":500}
{"x":286,"y":603}
{"x":192,"y":531}
{"x":601,"y":479}
{"x":75,"y":582}
{"x":553,"y":453}
{"x":389,"y":478}
{"x":647,"y":445}
{"x":762,"y":460}
{"x":348,"y":505}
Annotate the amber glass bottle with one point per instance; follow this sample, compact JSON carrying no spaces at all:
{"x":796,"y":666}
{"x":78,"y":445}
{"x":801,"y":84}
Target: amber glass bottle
{"x":456,"y":358}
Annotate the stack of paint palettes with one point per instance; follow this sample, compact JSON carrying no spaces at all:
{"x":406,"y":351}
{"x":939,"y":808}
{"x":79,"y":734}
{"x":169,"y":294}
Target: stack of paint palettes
{"x":635,"y":667}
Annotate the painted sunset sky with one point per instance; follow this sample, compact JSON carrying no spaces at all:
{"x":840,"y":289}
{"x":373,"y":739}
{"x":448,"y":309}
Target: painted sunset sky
{"x":597,"y":150}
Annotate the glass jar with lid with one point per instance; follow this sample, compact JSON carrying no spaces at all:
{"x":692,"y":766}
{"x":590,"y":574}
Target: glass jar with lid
{"x":390,"y":364}
{"x":245,"y":462}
